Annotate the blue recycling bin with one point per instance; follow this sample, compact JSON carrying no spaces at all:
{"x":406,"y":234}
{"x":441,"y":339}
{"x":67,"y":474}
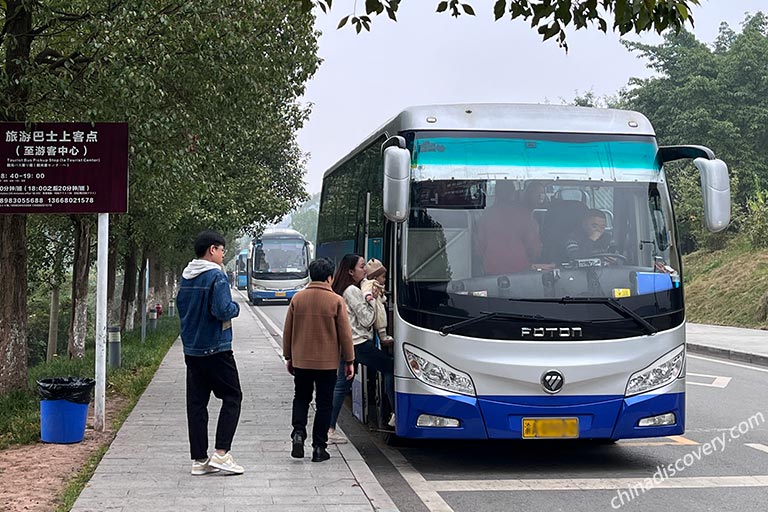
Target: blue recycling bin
{"x":64,"y":408}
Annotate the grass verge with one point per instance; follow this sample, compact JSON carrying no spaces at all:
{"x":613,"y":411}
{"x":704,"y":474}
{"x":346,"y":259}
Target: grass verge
{"x":20,"y":421}
{"x":727,"y":287}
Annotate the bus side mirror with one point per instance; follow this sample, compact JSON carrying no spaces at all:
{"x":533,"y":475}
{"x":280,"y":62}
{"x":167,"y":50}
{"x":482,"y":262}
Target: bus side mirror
{"x":716,"y":191}
{"x":397,"y":179}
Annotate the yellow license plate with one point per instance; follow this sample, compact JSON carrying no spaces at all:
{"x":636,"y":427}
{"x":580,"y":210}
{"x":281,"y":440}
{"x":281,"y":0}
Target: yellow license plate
{"x":279,"y":294}
{"x":550,"y":428}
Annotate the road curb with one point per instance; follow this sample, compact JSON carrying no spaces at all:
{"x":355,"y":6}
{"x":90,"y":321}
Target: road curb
{"x":733,"y":355}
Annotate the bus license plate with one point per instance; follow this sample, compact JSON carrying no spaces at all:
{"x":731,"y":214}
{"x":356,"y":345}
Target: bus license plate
{"x":550,"y":428}
{"x":279,"y":294}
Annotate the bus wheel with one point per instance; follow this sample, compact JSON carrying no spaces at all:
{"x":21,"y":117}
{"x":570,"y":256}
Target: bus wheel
{"x":383,"y":413}
{"x":391,"y":439}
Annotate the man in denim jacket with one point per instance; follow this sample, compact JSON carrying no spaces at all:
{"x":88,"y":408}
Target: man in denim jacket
{"x":206,"y":310}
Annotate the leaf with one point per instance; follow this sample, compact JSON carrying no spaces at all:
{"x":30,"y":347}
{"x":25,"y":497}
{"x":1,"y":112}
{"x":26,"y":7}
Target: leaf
{"x":392,"y":14}
{"x":468,"y":9}
{"x":343,"y":22}
{"x":306,"y":5}
{"x":499,"y":8}
{"x":373,"y":6}
{"x":552,"y":31}
{"x":323,"y":7}
{"x":442,"y":6}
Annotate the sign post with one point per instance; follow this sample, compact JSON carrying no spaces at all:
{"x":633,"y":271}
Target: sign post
{"x":70,"y":168}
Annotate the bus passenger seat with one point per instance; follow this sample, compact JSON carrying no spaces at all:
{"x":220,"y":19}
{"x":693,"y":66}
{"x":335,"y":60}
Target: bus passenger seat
{"x":563,"y":218}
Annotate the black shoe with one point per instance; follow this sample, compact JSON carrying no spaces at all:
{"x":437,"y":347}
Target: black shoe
{"x":297,"y":452}
{"x":320,"y":454}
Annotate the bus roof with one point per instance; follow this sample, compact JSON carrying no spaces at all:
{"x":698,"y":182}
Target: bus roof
{"x":279,"y":233}
{"x":513,"y":117}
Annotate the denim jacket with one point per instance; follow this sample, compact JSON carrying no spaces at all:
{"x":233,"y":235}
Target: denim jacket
{"x":206,"y":308}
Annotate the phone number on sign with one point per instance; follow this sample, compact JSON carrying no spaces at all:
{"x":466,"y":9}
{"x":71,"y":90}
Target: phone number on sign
{"x":21,"y":200}
{"x":49,"y":200}
{"x":76,"y":200}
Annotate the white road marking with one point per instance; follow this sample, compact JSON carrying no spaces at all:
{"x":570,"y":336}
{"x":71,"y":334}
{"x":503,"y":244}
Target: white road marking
{"x":672,"y":441}
{"x":595,"y":484}
{"x":268,"y":321}
{"x":423,"y":488}
{"x":261,"y":319}
{"x":738,"y":365}
{"x":757,"y":446}
{"x":718,"y":381}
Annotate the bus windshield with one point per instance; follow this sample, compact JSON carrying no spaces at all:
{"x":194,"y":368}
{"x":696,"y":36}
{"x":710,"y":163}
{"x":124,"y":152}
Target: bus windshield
{"x":498,"y":220}
{"x":280,"y":259}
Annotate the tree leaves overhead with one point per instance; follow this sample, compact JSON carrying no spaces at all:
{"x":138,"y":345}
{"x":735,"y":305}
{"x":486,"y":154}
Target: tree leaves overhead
{"x":550,"y":18}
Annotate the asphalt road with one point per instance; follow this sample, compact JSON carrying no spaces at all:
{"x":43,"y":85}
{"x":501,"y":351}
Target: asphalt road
{"x":719,"y":464}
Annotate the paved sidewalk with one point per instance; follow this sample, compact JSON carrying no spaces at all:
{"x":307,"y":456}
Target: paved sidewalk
{"x":746,"y":345}
{"x":148,"y":466}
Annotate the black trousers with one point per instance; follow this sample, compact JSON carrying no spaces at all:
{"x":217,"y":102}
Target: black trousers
{"x":323,"y":382}
{"x":215,"y":374}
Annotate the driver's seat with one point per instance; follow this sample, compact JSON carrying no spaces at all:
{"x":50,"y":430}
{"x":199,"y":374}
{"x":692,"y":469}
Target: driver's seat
{"x":562,"y":219}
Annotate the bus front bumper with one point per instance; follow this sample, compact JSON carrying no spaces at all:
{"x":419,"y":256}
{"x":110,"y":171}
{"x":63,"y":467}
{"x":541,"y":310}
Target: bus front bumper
{"x":266,"y":295}
{"x":494,"y":417}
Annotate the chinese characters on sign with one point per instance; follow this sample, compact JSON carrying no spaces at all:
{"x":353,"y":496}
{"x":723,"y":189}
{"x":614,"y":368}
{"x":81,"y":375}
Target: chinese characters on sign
{"x":64,"y":168}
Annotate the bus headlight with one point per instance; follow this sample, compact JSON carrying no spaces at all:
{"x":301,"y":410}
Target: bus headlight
{"x":660,"y":373}
{"x":431,"y":370}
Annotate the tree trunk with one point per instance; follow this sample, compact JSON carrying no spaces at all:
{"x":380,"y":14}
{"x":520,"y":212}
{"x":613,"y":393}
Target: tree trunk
{"x":13,"y":228}
{"x":53,"y":325}
{"x":128,"y":298}
{"x":142,"y":286}
{"x":13,"y":303}
{"x":113,"y":309}
{"x":155,"y":280}
{"x":78,"y":324}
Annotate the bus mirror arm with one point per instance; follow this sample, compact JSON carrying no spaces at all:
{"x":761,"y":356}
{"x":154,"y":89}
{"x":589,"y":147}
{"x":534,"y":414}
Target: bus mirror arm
{"x":715,"y":186}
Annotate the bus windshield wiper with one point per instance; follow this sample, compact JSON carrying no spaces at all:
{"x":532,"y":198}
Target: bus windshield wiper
{"x":488,"y":316}
{"x":608,"y":301}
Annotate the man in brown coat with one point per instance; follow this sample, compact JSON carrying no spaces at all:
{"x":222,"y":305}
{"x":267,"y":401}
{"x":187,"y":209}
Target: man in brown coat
{"x":315,"y":337}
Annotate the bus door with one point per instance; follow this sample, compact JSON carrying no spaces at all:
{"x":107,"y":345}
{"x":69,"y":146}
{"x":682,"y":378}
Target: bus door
{"x":359,"y":384}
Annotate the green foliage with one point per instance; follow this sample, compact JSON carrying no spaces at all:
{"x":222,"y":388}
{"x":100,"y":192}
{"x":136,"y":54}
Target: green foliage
{"x":757,"y":228}
{"x":714,"y":97}
{"x":305,"y":219}
{"x":20,"y":421}
{"x":210,"y":93}
{"x":550,"y":18}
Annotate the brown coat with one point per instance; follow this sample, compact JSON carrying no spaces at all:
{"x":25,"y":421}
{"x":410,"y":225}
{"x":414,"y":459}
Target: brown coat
{"x":316,"y":327}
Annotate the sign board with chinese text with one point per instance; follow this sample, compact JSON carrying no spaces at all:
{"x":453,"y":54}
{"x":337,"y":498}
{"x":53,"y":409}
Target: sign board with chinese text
{"x":64,"y":168}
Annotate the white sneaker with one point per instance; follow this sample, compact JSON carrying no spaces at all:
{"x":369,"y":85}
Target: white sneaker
{"x":226,"y":463}
{"x":203,"y":468}
{"x":391,"y":421}
{"x":336,"y":437}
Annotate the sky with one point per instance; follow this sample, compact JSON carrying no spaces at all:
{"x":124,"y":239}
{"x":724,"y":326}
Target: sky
{"x":425,"y":58}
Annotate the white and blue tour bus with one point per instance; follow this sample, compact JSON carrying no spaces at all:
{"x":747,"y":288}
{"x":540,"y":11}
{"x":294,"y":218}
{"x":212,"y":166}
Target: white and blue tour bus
{"x":278,"y":265}
{"x":563,"y":344}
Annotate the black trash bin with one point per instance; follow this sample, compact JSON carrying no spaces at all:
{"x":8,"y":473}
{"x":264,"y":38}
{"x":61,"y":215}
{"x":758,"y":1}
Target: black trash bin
{"x":64,"y":408}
